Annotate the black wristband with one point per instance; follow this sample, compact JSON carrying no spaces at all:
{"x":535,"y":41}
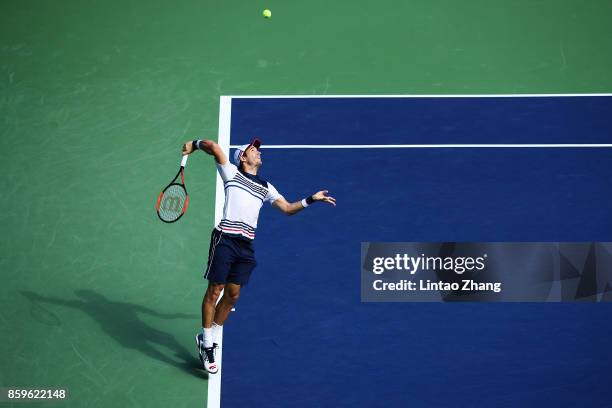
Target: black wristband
{"x":309,"y":200}
{"x":194,"y":145}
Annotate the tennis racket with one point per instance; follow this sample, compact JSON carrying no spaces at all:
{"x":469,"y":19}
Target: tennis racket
{"x":173,"y":201}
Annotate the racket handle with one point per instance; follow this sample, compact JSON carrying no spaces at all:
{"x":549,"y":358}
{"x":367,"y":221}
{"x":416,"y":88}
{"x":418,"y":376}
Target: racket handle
{"x":184,"y":160}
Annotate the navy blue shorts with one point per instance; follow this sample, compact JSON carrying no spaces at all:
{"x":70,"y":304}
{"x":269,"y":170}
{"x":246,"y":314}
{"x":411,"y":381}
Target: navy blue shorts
{"x":230,"y":260}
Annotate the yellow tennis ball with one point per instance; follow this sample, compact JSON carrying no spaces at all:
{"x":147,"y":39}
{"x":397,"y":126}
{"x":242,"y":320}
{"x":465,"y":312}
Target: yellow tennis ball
{"x":267,"y":13}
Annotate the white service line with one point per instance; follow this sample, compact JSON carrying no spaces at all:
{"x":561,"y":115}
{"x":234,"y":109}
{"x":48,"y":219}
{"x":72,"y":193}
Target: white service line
{"x":440,"y":146}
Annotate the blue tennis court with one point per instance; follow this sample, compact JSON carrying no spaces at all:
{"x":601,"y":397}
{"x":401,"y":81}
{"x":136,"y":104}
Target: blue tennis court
{"x":301,"y":336}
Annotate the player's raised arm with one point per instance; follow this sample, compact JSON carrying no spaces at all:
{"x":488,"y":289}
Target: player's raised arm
{"x":208,"y":146}
{"x":294,"y":208}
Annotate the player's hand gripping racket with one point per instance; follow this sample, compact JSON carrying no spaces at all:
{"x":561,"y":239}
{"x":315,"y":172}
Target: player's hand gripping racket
{"x":172,"y":202}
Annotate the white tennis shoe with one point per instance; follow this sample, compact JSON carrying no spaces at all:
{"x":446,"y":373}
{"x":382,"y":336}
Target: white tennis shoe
{"x":207,"y":355}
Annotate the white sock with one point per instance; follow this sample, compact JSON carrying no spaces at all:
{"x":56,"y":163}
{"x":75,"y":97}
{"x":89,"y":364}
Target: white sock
{"x":216,"y":329}
{"x":208,"y":336}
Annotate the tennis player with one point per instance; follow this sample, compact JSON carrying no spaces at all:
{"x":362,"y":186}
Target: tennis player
{"x":231,"y":257}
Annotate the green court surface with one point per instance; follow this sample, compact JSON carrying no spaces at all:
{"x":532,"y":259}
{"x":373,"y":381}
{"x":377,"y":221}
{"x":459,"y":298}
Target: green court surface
{"x":97,"y":295}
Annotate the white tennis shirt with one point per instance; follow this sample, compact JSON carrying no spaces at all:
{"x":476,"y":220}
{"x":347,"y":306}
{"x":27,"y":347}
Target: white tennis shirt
{"x":244,"y":197}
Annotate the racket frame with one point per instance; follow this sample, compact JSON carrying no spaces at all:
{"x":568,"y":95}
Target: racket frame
{"x":181,"y":173}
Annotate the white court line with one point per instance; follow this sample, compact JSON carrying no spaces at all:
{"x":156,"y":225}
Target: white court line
{"x":440,"y":146}
{"x":422,"y":96}
{"x":225,"y":119}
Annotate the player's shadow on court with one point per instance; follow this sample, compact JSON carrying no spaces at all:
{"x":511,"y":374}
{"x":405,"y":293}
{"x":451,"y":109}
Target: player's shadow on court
{"x":121,"y":321}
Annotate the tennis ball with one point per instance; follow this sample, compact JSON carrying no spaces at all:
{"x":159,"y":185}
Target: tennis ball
{"x":267,"y":13}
